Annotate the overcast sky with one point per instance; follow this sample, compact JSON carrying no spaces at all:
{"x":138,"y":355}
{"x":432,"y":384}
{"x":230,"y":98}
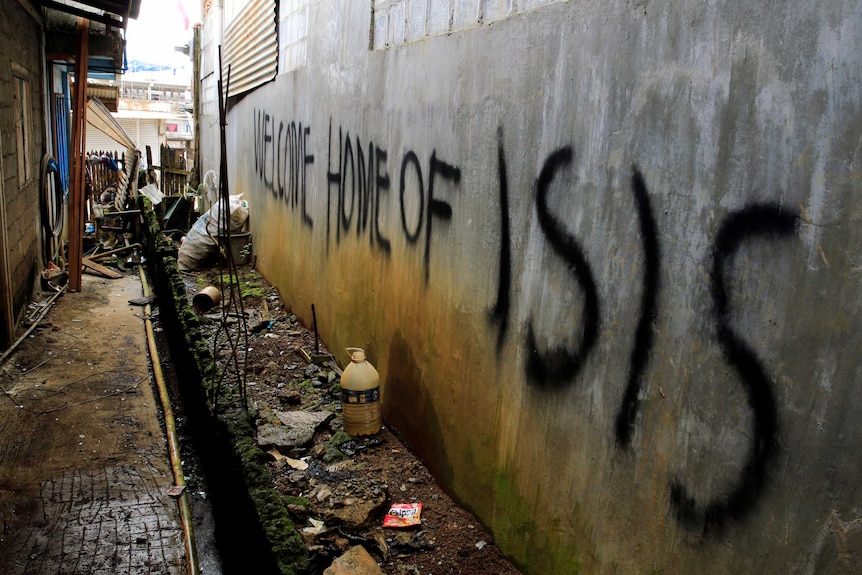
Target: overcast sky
{"x":159,"y":28}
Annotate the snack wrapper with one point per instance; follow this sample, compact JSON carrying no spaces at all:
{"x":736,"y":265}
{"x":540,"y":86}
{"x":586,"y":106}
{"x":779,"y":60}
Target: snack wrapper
{"x":403,"y":515}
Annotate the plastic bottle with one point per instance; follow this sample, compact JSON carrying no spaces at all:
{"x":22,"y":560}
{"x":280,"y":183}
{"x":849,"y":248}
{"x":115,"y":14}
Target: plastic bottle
{"x":360,"y":395}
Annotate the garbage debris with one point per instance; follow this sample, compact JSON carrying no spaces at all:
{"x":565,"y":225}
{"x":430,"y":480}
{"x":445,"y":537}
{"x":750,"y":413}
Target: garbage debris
{"x":153,"y":193}
{"x":176,"y":490}
{"x":200,"y":245}
{"x":206,"y":299}
{"x":294,"y":463}
{"x":403,"y":515}
{"x":350,"y":481}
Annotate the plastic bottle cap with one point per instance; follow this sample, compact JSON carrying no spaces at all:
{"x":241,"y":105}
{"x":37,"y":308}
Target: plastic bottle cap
{"x":356,"y":354}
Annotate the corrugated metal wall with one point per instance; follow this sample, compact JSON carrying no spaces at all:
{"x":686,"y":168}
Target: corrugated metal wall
{"x":251,"y":47}
{"x":145,"y":132}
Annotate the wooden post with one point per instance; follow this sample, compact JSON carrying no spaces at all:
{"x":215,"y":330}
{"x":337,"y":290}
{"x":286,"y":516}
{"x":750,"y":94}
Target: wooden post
{"x":78,"y":148}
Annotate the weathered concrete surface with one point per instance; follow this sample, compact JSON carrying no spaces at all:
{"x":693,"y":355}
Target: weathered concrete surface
{"x":84,"y":469}
{"x":605,"y":256}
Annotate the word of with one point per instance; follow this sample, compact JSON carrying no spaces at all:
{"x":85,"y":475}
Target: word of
{"x":361,"y":187}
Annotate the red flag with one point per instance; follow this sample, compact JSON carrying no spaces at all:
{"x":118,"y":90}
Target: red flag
{"x":185,"y":16}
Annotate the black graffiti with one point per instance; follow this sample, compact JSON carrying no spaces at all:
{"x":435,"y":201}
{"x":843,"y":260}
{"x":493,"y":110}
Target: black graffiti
{"x":500,"y":313}
{"x":410,"y":159}
{"x":437,"y":208}
{"x":625,"y":421}
{"x":558,"y":367}
{"x":281,"y":160}
{"x":364,"y":191}
{"x":358,"y":184}
{"x":759,"y":220}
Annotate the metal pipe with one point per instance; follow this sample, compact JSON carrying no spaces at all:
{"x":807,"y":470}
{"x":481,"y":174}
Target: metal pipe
{"x":103,"y":255}
{"x":316,"y":340}
{"x":173,"y":443}
{"x":42,"y":314}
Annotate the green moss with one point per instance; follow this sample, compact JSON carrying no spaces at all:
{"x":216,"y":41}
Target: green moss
{"x":516,"y":532}
{"x":338,"y":438}
{"x":284,"y":541}
{"x":304,"y":385}
{"x":295,"y":500}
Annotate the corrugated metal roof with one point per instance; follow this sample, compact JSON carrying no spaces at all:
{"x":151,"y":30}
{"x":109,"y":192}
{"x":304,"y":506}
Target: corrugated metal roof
{"x":251,"y":47}
{"x":100,"y":118}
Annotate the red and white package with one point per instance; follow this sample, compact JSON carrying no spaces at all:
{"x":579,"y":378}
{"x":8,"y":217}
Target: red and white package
{"x":403,"y":515}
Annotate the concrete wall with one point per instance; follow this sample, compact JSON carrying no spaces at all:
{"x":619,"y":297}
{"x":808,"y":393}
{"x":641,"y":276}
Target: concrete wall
{"x":605,"y":255}
{"x":20,"y":59}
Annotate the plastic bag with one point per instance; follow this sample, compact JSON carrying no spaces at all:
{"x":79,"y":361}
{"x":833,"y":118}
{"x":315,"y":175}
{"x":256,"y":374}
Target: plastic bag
{"x":200,"y":243}
{"x":403,"y":515}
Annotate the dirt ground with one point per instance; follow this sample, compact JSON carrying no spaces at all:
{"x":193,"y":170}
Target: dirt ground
{"x":340,"y":487}
{"x":84,"y":474}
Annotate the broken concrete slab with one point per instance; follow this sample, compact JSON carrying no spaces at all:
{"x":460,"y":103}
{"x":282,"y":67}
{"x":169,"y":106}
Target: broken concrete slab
{"x":297,"y":430}
{"x":354,"y":512}
{"x":304,"y":418}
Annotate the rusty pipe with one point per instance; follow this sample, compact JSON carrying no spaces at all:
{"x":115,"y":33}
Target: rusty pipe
{"x":173,"y":442}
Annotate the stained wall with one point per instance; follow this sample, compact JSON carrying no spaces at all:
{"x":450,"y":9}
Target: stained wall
{"x":21,"y":148}
{"x":605,"y":256}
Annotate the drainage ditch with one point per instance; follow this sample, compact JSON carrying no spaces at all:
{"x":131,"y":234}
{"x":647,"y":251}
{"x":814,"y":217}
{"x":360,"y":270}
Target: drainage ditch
{"x":229,"y":538}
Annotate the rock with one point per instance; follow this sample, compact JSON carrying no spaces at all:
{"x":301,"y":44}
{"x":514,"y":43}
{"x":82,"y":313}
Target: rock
{"x":290,"y":397}
{"x":304,"y":418}
{"x":356,"y":561}
{"x":355,"y":512}
{"x":311,"y":370}
{"x":321,"y":493}
{"x":282,"y":437}
{"x":298,"y":429}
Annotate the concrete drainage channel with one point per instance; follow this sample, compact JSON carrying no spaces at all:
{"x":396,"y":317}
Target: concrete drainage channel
{"x":250,"y":530}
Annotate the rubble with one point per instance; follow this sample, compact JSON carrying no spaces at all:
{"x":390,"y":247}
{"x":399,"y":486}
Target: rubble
{"x":356,"y":561}
{"x":338,"y":488}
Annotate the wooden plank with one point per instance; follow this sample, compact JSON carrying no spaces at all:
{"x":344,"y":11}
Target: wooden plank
{"x":107,"y":272}
{"x":173,"y":171}
{"x":77,"y":150}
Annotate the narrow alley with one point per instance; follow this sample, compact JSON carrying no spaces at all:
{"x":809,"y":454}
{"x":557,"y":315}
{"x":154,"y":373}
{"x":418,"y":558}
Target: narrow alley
{"x":83,"y":465}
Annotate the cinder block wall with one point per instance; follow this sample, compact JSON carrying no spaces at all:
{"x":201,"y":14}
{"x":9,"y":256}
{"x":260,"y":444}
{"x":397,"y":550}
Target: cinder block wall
{"x":605,"y":255}
{"x":20,"y":53}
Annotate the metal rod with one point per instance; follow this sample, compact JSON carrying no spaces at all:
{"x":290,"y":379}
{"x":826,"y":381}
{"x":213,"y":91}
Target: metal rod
{"x":103,"y":255}
{"x":44,"y":312}
{"x":316,"y":344}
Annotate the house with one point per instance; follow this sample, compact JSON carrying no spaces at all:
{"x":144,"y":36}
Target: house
{"x":40,"y":45}
{"x":155,"y":108}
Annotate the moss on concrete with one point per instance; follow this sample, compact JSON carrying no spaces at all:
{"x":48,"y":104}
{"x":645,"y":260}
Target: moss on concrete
{"x":517,"y":531}
{"x":230,"y":419}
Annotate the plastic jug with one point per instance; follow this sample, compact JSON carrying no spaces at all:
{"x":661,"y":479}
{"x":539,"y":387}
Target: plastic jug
{"x":360,"y":395}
